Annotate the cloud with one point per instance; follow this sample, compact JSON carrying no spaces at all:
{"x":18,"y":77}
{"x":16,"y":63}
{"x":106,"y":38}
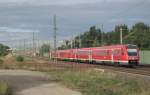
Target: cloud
{"x":45,"y":2}
{"x":19,"y":18}
{"x":61,"y":2}
{"x":15,"y":30}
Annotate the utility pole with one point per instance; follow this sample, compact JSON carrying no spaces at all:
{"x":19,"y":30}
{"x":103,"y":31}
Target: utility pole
{"x":24,"y":46}
{"x":38,"y":46}
{"x":72,"y":41}
{"x":102,"y":35}
{"x":33,"y":44}
{"x":80,"y":43}
{"x":55,"y":35}
{"x":121,"y":35}
{"x":50,"y":57}
{"x":20,"y":47}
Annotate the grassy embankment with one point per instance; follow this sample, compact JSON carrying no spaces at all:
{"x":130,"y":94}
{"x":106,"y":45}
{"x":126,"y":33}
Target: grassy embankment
{"x":96,"y":83}
{"x":4,"y":89}
{"x":91,"y":82}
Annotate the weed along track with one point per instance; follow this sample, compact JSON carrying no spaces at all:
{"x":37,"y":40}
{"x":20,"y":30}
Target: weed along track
{"x":45,"y":64}
{"x":140,"y":70}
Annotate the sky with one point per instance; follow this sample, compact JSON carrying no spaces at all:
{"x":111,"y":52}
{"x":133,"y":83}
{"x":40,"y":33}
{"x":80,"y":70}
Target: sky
{"x":20,"y":18}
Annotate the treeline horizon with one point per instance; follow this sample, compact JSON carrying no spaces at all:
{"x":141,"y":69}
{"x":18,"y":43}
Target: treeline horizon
{"x":139,"y":35}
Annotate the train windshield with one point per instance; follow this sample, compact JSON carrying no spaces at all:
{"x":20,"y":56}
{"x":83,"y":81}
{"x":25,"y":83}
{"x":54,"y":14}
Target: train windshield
{"x":132,"y":50}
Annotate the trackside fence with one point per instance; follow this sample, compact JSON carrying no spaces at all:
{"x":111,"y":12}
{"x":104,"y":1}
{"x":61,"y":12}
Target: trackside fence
{"x":145,"y":57}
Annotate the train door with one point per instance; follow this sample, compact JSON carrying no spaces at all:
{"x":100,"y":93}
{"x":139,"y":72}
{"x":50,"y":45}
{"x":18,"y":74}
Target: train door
{"x":90,"y":55}
{"x":112,"y":56}
{"x":117,"y":55}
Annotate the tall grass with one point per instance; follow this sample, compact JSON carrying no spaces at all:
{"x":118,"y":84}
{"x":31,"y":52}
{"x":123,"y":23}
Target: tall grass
{"x":95,"y":83}
{"x":4,"y":89}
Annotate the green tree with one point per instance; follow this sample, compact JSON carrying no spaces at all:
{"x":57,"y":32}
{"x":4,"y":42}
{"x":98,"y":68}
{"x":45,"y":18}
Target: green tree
{"x":45,"y":48}
{"x":91,"y":38}
{"x":4,"y":50}
{"x":116,"y":34}
{"x":62,"y":47}
{"x":140,"y":35}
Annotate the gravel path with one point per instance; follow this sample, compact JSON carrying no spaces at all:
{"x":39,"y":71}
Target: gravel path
{"x":33,"y":83}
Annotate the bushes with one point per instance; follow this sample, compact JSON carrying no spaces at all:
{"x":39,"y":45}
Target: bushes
{"x":19,"y":58}
{"x":4,"y":50}
{"x":1,"y":61}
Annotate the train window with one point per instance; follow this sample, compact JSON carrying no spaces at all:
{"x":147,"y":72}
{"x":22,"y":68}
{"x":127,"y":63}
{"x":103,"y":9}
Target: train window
{"x":119,"y":52}
{"x":132,"y":52}
{"x":83,"y":52}
{"x":101,"y":53}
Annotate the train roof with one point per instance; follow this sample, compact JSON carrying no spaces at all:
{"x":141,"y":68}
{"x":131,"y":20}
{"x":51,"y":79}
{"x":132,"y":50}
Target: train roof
{"x":106,"y":47}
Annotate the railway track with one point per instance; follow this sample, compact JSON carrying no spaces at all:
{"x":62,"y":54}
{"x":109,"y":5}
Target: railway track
{"x":135,"y":70}
{"x":140,"y":70}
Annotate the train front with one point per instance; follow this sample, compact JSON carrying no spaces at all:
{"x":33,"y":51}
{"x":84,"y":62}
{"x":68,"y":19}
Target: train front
{"x":133,"y":54}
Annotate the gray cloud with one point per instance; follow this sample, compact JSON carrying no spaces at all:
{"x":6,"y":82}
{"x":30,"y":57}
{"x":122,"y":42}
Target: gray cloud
{"x":16,"y":30}
{"x":73,"y":17}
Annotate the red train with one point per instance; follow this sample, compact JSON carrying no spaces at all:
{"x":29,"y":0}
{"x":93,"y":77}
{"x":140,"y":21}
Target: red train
{"x":116,"y":54}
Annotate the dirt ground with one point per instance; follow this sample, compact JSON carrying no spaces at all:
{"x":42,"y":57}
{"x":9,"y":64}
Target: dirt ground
{"x":33,"y":83}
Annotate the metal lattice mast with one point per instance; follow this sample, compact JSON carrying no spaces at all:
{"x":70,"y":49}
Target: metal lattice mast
{"x":121,"y":35}
{"x":55,"y":34}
